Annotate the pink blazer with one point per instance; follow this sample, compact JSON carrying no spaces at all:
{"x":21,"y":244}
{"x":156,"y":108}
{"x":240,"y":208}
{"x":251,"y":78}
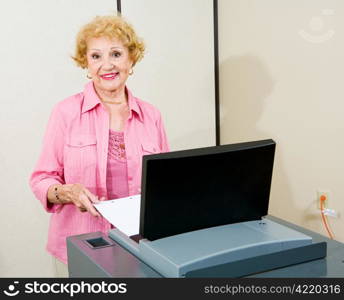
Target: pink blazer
{"x":75,"y":150}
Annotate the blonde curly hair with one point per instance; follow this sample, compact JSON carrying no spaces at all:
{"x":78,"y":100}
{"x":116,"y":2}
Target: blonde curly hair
{"x":110,"y":27}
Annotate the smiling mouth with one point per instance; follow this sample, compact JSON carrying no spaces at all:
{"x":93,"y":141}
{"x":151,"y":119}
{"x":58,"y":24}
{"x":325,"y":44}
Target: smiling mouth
{"x":109,"y":76}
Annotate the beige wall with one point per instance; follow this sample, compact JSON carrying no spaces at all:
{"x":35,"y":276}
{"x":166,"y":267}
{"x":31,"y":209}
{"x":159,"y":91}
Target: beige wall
{"x":281,"y":77}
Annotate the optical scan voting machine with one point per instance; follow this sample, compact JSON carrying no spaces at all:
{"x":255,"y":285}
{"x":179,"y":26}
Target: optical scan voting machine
{"x":202,"y":214}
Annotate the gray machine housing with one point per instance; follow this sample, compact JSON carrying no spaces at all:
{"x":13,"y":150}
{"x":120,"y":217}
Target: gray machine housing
{"x":186,"y":253}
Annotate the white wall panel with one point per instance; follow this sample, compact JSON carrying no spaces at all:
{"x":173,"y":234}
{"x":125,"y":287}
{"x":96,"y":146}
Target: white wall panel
{"x":37,"y":39}
{"x":177,"y":73}
{"x":36,"y":72}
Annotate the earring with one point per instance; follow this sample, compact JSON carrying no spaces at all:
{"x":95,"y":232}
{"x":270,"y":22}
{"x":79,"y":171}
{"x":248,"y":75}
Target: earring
{"x":89,"y":76}
{"x":131,"y":72}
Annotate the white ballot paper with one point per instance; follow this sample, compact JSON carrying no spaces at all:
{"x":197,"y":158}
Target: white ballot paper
{"x":123,"y":213}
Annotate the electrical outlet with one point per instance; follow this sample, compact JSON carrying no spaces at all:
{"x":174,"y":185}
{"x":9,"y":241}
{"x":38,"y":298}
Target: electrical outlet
{"x":331,"y":213}
{"x":323,"y":194}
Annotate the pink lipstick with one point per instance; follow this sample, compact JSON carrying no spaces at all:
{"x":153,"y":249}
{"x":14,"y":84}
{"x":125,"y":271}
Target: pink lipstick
{"x":109,"y":76}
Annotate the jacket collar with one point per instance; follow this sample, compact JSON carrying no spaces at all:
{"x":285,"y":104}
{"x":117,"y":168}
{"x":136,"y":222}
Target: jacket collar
{"x":91,"y":100}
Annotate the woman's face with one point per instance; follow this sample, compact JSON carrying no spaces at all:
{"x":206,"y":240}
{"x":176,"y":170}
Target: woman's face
{"x":108,"y":63}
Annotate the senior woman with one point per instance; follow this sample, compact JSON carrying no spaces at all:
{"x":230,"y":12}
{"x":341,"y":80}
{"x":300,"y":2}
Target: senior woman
{"x":95,"y":140}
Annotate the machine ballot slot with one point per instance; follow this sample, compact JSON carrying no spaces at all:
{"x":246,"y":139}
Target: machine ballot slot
{"x":98,"y":242}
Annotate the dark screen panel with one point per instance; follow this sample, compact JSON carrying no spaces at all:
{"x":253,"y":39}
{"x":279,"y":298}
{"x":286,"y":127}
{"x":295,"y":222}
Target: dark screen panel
{"x":194,"y":189}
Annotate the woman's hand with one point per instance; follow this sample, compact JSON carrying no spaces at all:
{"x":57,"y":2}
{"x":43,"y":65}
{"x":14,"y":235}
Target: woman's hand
{"x":76,"y":194}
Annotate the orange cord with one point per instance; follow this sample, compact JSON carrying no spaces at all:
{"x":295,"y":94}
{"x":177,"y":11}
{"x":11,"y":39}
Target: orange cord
{"x":323,"y":217}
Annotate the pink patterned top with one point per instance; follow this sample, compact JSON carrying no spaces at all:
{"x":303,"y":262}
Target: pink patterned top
{"x":117,"y":173}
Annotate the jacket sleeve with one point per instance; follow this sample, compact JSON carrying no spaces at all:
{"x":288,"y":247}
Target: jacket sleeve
{"x":164,"y":146}
{"x":49,"y":167}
